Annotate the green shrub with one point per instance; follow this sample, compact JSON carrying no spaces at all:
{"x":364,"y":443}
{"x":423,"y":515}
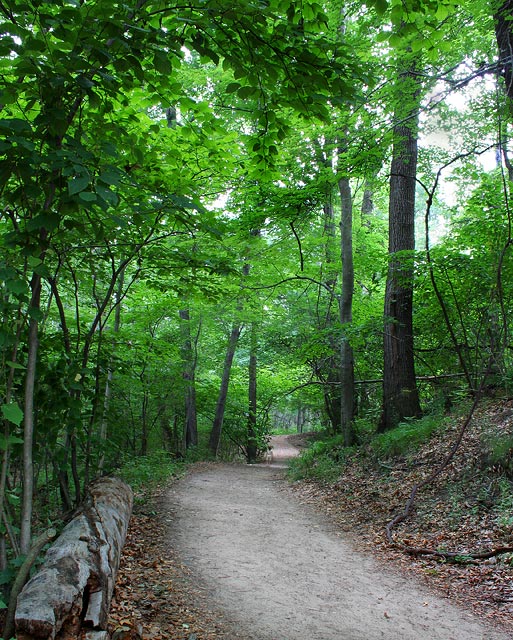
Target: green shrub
{"x":323,"y":460}
{"x":145,"y":473}
{"x":499,"y":454}
{"x":406,"y":437}
{"x":505,"y":504}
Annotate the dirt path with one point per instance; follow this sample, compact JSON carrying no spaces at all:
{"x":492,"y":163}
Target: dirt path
{"x":279,"y":571}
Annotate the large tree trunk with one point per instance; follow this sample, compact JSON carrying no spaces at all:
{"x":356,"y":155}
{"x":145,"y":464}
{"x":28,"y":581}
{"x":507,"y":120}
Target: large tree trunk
{"x":73,"y":589}
{"x":400,"y":394}
{"x":346,"y":314}
{"x":215,"y":434}
{"x":251,"y":448}
{"x":504,"y":36}
{"x":188,"y":374}
{"x":329,"y":368}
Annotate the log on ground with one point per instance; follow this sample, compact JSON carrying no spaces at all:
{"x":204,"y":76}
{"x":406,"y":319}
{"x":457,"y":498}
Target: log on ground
{"x":73,"y":589}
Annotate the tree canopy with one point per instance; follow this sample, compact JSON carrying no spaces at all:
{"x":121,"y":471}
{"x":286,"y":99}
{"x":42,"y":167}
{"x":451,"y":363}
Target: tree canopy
{"x":196,"y":201}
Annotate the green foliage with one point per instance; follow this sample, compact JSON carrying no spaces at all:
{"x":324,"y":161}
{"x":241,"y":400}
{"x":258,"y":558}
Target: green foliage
{"x":498,"y":454}
{"x":504,"y":506}
{"x":323,"y":460}
{"x":164,"y":157}
{"x":145,"y":473}
{"x":406,"y":437}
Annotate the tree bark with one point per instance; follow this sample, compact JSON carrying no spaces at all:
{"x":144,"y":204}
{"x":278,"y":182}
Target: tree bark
{"x":188,"y":374}
{"x":215,"y":434}
{"x":21,"y":578}
{"x":400,"y":394}
{"x":346,"y":314}
{"x":251,"y":448}
{"x":28,"y":424}
{"x":73,"y":589}
{"x":504,"y":36}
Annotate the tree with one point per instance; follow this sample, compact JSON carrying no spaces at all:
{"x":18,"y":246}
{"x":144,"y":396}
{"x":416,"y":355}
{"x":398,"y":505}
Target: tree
{"x":189,"y":372}
{"x":400,"y":393}
{"x":346,"y":313}
{"x":74,"y":176}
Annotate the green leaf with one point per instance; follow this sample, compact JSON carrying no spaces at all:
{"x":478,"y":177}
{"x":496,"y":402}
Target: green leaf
{"x":246,"y":92}
{"x":232,"y":87}
{"x":111,"y":177}
{"x":106,"y":194}
{"x":18,"y":287}
{"x":87,"y":196}
{"x":5,"y":442}
{"x":442,"y":12}
{"x":161,"y":63}
{"x":14,"y":365}
{"x":14,"y":124}
{"x":85,"y":82}
{"x":12,"y":413}
{"x":381,"y":6}
{"x":78,"y":184}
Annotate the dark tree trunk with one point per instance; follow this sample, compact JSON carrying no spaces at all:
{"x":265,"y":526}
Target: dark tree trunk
{"x":346,"y":314}
{"x":504,"y":35}
{"x":330,"y":366}
{"x":251,"y":449}
{"x":188,"y":374}
{"x":217,"y":426}
{"x":400,"y":394}
{"x":28,"y":423}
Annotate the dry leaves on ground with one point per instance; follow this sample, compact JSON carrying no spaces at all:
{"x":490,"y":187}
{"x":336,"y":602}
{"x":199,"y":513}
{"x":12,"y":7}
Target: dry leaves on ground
{"x":458,"y":512}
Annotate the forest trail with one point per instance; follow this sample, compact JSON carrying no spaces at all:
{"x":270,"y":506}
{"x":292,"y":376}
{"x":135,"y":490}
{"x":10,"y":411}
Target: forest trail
{"x":278,"y":570}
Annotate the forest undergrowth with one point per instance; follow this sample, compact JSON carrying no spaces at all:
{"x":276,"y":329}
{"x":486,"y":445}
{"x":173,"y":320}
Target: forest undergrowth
{"x":469,"y":508}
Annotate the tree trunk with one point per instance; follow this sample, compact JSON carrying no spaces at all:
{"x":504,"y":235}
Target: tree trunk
{"x":73,"y":589}
{"x":330,"y":366}
{"x":400,"y":394}
{"x":504,"y":36}
{"x":188,"y":374}
{"x":28,"y":424}
{"x":251,"y":448}
{"x":108,"y":384}
{"x":346,"y":314}
{"x":144,"y":419}
{"x":367,"y":203}
{"x":215,"y":434}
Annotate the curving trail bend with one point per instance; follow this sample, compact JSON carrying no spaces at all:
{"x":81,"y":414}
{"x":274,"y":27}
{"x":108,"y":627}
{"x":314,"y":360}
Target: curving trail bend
{"x":279,"y":571}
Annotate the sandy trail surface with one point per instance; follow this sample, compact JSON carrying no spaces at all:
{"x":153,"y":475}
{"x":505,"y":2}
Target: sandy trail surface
{"x":278,"y":570}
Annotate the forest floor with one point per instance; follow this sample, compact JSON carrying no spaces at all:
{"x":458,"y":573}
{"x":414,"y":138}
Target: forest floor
{"x":191,"y":572}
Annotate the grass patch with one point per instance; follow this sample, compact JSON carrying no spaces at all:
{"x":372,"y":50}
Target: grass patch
{"x":406,"y":436}
{"x":498,"y":454}
{"x":504,"y":506}
{"x":145,"y":473}
{"x":323,"y":460}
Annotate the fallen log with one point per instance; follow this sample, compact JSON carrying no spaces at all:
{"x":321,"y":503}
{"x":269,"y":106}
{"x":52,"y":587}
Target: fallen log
{"x":73,"y":589}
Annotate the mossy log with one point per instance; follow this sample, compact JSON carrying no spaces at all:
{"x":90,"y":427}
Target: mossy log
{"x":73,"y":589}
